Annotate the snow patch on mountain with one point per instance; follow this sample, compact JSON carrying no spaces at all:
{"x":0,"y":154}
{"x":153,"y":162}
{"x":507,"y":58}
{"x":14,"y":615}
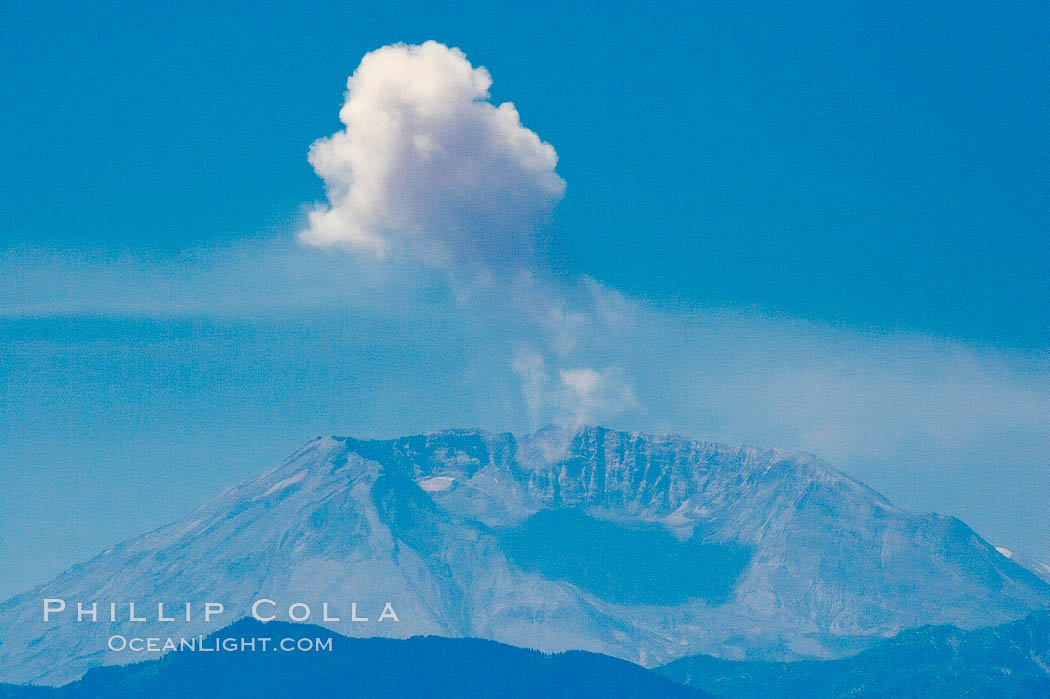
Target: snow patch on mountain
{"x":436,"y":484}
{"x":286,"y":483}
{"x":1041,"y":569}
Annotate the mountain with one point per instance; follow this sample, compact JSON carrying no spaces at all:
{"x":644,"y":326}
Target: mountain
{"x":375,"y":667}
{"x":639,"y":547}
{"x":1011,"y":660}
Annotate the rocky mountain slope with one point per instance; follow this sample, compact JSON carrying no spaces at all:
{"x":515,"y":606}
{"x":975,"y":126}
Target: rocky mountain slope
{"x":640,"y":547}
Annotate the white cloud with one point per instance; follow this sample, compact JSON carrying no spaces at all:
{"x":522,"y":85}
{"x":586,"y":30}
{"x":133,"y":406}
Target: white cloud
{"x":581,"y":395}
{"x":532,"y":371}
{"x":589,"y":394}
{"x":428,"y":167}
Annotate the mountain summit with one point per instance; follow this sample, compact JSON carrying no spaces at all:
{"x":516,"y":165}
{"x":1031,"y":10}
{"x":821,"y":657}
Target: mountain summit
{"x":642,"y":547}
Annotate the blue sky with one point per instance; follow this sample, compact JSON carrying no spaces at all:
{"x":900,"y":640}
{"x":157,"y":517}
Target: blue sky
{"x":855,"y":200}
{"x":876,"y":165}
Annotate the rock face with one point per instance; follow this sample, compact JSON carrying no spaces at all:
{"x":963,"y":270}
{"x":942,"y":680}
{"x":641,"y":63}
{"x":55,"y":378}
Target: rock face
{"x":644,"y":548}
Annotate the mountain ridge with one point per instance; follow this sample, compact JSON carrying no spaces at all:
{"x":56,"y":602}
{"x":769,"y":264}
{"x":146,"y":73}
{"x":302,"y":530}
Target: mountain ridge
{"x":1009,"y":660}
{"x":415,"y":667}
{"x":420,"y":521}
